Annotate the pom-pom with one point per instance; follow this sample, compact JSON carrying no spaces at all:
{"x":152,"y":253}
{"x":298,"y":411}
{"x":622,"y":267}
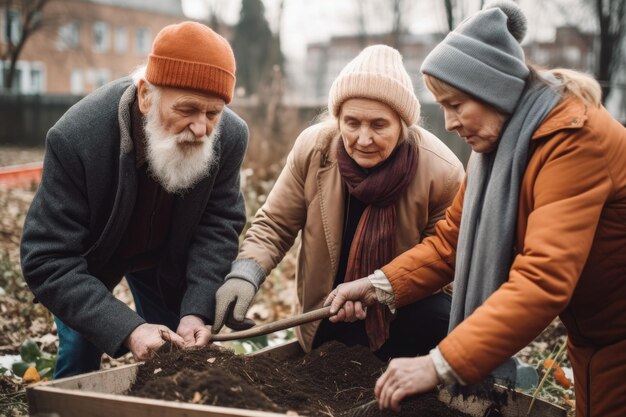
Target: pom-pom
{"x":516,"y":22}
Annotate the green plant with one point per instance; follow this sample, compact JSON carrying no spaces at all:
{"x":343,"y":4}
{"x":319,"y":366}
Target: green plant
{"x":256,"y":343}
{"x":554,"y":386}
{"x":33,"y":357}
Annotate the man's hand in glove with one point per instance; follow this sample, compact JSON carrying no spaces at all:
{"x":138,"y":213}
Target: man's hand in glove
{"x":232,"y":301}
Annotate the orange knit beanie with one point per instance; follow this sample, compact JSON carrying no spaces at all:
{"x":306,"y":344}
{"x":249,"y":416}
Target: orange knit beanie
{"x":191,"y":55}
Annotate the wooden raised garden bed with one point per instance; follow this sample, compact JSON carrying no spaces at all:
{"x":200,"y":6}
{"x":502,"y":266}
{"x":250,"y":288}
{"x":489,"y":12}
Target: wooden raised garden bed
{"x":102,"y":394}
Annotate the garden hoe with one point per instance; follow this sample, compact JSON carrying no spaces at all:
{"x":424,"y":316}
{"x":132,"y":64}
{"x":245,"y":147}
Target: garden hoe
{"x":275,"y":326}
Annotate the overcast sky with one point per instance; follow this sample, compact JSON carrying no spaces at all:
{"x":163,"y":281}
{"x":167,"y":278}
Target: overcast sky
{"x":306,"y":21}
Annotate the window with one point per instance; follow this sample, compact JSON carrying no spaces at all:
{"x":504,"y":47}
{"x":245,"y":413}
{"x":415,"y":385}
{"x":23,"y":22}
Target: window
{"x":36,"y":80}
{"x":28,"y":77}
{"x":541,"y":56}
{"x":102,"y":77}
{"x":77,"y":84}
{"x":69,"y":36}
{"x":13,"y":26}
{"x":121,"y":40}
{"x":98,"y":77}
{"x":16,"y":87}
{"x":572,"y":57}
{"x":142,"y":41}
{"x":100,"y":37}
{"x":17,"y":77}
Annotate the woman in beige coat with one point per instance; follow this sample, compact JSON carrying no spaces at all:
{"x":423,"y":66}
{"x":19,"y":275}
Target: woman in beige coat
{"x":362,"y":187}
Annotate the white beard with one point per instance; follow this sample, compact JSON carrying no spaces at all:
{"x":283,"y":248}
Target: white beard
{"x":176,"y":166}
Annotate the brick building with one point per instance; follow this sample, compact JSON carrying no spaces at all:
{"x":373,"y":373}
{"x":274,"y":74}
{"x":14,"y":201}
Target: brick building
{"x":570,"y":48}
{"x":326,"y":59}
{"x":84,"y":44}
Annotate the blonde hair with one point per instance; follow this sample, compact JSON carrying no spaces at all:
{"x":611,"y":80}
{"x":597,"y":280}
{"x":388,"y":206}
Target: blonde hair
{"x":578,"y":84}
{"x":438,"y":87}
{"x":571,"y":83}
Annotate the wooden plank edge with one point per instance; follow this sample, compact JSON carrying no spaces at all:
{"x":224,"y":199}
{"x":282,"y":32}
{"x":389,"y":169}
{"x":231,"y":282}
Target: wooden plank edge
{"x":91,"y":381}
{"x":94,"y":404}
{"x":516,"y":406}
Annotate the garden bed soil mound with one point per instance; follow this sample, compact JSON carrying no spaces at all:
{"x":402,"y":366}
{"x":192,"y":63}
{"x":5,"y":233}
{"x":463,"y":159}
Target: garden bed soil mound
{"x":331,"y":380}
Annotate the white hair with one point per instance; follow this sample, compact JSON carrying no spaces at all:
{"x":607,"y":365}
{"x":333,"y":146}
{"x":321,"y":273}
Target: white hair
{"x":139,"y":73}
{"x":176,"y":167}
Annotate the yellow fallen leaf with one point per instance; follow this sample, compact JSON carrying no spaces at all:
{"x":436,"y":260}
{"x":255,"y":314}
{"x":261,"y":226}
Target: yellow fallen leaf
{"x":31,"y":375}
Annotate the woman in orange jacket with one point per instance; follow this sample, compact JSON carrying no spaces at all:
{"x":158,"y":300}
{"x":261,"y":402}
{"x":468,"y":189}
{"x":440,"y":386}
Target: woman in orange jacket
{"x":537,"y":230}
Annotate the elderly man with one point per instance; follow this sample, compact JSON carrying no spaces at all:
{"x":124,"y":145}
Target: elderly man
{"x":141,"y":179}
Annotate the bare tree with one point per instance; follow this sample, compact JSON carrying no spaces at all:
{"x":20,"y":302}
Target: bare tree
{"x":393,"y":13}
{"x":400,"y":9}
{"x":214,"y":19}
{"x":449,"y":6}
{"x":28,"y":19}
{"x":361,"y":23}
{"x":608,"y":18}
{"x":457,"y":10}
{"x":271,"y":97}
{"x":611,"y":18}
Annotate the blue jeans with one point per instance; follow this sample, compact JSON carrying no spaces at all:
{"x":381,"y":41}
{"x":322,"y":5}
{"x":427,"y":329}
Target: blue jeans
{"x":77,"y":355}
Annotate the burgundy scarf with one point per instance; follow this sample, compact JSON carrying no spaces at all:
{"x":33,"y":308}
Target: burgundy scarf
{"x":374,"y":240}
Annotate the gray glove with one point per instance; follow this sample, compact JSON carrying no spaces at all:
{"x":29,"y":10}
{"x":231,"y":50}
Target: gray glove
{"x":232,"y":301}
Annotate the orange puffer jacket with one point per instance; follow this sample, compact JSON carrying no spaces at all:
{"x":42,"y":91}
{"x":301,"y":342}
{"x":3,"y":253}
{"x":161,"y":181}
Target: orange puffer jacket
{"x":570,"y":261}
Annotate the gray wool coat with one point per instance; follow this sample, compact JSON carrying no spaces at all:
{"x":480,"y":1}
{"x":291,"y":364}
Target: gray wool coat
{"x":83,"y":206}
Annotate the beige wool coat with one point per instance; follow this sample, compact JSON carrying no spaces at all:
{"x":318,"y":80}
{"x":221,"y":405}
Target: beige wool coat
{"x":308,"y":197}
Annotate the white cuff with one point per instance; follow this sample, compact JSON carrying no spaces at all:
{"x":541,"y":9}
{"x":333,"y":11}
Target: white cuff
{"x":446,"y":374}
{"x":384,"y":291}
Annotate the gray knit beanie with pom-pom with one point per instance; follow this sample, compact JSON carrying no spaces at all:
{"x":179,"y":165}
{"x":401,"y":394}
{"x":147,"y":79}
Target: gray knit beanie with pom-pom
{"x":483,"y":56}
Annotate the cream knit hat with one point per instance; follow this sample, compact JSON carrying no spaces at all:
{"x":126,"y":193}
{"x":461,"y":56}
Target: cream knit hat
{"x":376,"y":73}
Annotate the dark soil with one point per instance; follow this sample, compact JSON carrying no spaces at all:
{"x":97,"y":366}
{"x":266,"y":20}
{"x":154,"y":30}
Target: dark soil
{"x":329,"y":381}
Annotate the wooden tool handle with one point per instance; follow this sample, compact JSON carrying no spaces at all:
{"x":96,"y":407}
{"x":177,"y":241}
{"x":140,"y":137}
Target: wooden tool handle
{"x":320,"y":313}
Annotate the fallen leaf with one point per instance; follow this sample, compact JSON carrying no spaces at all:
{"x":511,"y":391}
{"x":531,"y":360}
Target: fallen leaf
{"x":549,"y":363}
{"x":31,"y":375}
{"x":211,"y":360}
{"x":157,"y":370}
{"x":560,"y":377}
{"x":47,"y":340}
{"x":197,"y":397}
{"x":567,"y":401}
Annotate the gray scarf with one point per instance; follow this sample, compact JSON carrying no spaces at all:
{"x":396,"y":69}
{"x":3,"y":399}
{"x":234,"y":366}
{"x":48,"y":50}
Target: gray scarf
{"x":488,"y":224}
